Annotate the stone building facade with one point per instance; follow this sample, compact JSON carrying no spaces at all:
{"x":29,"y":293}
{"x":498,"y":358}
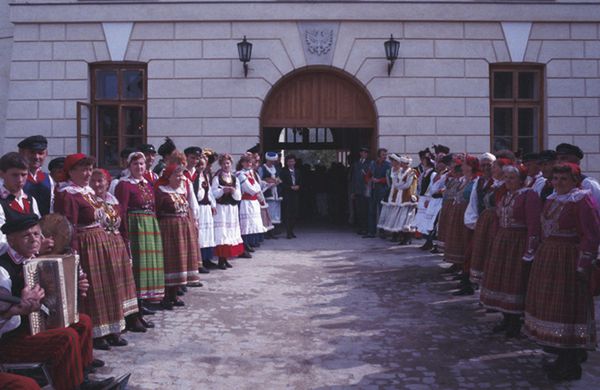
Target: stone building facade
{"x":439,"y":90}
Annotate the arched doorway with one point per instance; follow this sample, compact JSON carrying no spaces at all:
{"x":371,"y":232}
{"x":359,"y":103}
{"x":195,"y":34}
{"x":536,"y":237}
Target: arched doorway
{"x":318,"y":108}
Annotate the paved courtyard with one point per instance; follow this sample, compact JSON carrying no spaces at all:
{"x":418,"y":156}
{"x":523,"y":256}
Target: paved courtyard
{"x":331,"y":310}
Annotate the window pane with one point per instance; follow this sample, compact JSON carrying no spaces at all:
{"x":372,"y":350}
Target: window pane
{"x":107,"y":86}
{"x":312,"y":135}
{"x":503,"y":122}
{"x":528,"y":85}
{"x":528,"y":122}
{"x":110,"y":152}
{"x":134,"y":120}
{"x":133,"y":84}
{"x":133,"y":142}
{"x":527,"y":145}
{"x":108,"y":121}
{"x":502,"y":143}
{"x":503,"y":85}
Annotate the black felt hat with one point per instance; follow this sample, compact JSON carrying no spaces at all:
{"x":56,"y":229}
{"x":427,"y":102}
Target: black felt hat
{"x":531,"y":157}
{"x":193,"y":150}
{"x":571,"y":150}
{"x":147,"y":148}
{"x":441,"y":149}
{"x":19,"y":224}
{"x":547,"y":155}
{"x":35,"y":142}
{"x":56,"y":163}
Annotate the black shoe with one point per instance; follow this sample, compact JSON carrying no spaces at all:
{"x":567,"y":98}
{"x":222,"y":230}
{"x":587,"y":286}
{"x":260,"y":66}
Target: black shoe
{"x":245,"y":255}
{"x":222,"y":266}
{"x":203,"y":270}
{"x":228,"y":265}
{"x":89,"y":384}
{"x":250,"y":249}
{"x":435,"y":250}
{"x":427,"y":246}
{"x":501,"y":327}
{"x":147,"y":324}
{"x":572,"y":372}
{"x":97,"y":363}
{"x":116,"y":340}
{"x":209,"y":265}
{"x":101,"y":344}
{"x":582,"y":355}
{"x":195,"y":284}
{"x":289,"y":237}
{"x":166,"y":305}
{"x":293,"y":235}
{"x":450,"y":270}
{"x":146,"y":311}
{"x":179,"y":303}
{"x":134,"y":324}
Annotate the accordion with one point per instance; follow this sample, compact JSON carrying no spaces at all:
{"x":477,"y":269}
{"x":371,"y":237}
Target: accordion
{"x":58,"y":275}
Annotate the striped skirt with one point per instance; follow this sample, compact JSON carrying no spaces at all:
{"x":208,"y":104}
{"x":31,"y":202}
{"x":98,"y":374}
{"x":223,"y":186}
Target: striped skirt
{"x":506,"y":273}
{"x":483,"y":237}
{"x":181,"y":250}
{"x":102,"y":261}
{"x":559,"y":309}
{"x":456,"y":234}
{"x":127,"y":282}
{"x":147,"y":252}
{"x":443,"y":222}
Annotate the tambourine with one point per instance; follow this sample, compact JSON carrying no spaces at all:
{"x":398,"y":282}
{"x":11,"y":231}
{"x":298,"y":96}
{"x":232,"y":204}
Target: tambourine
{"x":57,"y":227}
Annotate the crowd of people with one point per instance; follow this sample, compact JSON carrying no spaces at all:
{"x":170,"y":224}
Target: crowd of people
{"x":524,"y":230}
{"x":142,"y":238}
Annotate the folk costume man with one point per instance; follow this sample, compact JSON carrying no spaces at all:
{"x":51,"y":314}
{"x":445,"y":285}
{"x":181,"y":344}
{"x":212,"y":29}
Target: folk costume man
{"x":270,"y":174}
{"x":377,"y":180}
{"x":67,"y":351}
{"x":291,"y":182}
{"x":573,"y":154}
{"x":535,"y":178}
{"x":359,"y":190}
{"x":193,"y":154}
{"x":164,"y":151}
{"x":150,"y":155}
{"x":547,"y":163}
{"x":39,"y":184}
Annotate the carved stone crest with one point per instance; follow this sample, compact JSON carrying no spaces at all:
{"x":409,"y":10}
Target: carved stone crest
{"x":319,"y":42}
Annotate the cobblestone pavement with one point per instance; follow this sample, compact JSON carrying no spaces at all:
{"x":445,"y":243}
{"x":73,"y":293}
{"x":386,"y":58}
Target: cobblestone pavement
{"x":331,"y":310}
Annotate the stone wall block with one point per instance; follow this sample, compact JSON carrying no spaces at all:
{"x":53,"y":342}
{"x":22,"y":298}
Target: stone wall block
{"x":585,"y":68}
{"x":477,"y":144}
{"x":203,"y":68}
{"x":478,"y":107}
{"x":502,"y":54}
{"x":550,"y":31}
{"x":171,"y":50}
{"x":246,"y":107}
{"x":395,"y":144}
{"x":176,"y":88}
{"x":584,"y":30}
{"x":274,"y":51}
{"x":64,"y":128}
{"x":483,"y":31}
{"x":202,"y":30}
{"x":558,"y":68}
{"x":465,"y":49}
{"x":52,"y":70}
{"x":53,"y":32}
{"x":592,"y":164}
{"x":445,"y":30}
{"x":239,"y":145}
{"x":390,"y":106}
{"x":532,"y":53}
{"x":592,"y":87}
{"x":230,"y":126}
{"x":26,"y":32}
{"x":51,"y":109}
{"x":560,"y":107}
{"x":175,"y":127}
{"x":85,"y":32}
{"x":592,"y":49}
{"x":202,"y":108}
{"x":22,"y":109}
{"x":566,"y":87}
{"x":462,"y":87}
{"x":83,"y":51}
{"x":377,"y":67}
{"x":592,"y":125}
{"x":32,"y":51}
{"x":160,"y":69}
{"x":435,"y":106}
{"x":464,"y":125}
{"x":223,"y":49}
{"x":235,"y":88}
{"x":566,"y":125}
{"x":417,"y":48}
{"x":101,"y":50}
{"x":386,"y":87}
{"x":561,"y":49}
{"x":160,"y":108}
{"x":434,"y":67}
{"x":477,"y":68}
{"x":454,"y":142}
{"x":134,"y":49}
{"x":555,"y":140}
{"x":70,"y":89}
{"x":586,"y":106}
{"x":21,"y":128}
{"x":71,"y":109}
{"x":154,"y":31}
{"x":588,"y":143}
{"x":77,"y":70}
{"x":286,"y":32}
{"x":406,"y":125}
{"x":23,"y":90}
{"x":259,"y":68}
{"x":25,"y":70}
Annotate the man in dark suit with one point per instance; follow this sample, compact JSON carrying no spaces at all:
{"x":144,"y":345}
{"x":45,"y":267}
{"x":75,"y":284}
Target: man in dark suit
{"x":358,"y":190}
{"x":290,"y":183}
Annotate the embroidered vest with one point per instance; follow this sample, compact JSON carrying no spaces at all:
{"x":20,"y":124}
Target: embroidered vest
{"x":227,"y":198}
{"x":41,"y":192}
{"x":11,"y":210}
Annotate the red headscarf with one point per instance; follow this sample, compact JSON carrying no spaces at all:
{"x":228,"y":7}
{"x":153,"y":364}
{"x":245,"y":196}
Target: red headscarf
{"x":575,"y":170}
{"x":166,"y":174}
{"x":503,"y":161}
{"x":70,"y":162}
{"x":473,"y":162}
{"x":106,"y":174}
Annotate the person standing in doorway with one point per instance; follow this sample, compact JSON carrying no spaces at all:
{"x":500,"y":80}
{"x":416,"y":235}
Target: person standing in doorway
{"x":290,"y":182}
{"x":377,"y":181}
{"x":358,"y":190}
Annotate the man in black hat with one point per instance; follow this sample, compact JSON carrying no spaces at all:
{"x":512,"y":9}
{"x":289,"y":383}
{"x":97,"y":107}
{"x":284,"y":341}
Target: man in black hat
{"x":150,"y":154}
{"x":68,"y":351}
{"x":164,"y":151}
{"x":55,"y":167}
{"x":358,"y":190}
{"x":547,"y":163}
{"x":535,"y":178}
{"x":193,"y":154}
{"x":39,"y":184}
{"x":573,"y":154}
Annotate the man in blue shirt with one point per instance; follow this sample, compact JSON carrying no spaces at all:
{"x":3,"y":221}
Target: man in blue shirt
{"x":377,"y":180}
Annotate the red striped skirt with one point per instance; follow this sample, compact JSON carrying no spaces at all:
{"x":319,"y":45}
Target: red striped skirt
{"x":483,"y":237}
{"x":455,"y":234}
{"x":66,"y":351}
{"x":443,"y":222}
{"x":127,"y":282}
{"x":559,"y":309}
{"x":181,"y":250}
{"x":102,"y":260}
{"x":506,"y":274}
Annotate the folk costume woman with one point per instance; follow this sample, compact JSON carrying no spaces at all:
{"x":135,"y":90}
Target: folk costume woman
{"x":403,"y":221}
{"x":507,"y":269}
{"x":269,"y":173}
{"x":251,"y":224}
{"x":226,"y":190}
{"x":140,"y":229}
{"x":433,"y":206}
{"x":178,"y":230}
{"x":264,"y":207}
{"x":559,"y":309}
{"x":424,"y":182}
{"x":110,"y":220}
{"x":452,"y":184}
{"x":390,"y":207}
{"x":207,"y":208}
{"x":101,"y":260}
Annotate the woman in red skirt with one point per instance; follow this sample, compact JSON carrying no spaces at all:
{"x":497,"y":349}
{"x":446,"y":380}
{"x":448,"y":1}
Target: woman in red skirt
{"x":451,"y":187}
{"x":506,"y":271}
{"x":559,"y":310}
{"x":178,"y":231}
{"x":101,"y":259}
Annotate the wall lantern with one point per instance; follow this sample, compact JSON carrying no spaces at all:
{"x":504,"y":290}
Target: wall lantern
{"x":392,"y":47}
{"x":245,"y":53}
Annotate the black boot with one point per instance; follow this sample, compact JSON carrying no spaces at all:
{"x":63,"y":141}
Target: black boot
{"x":222,"y":262}
{"x":428,"y":245}
{"x":514,"y":326}
{"x":568,"y":368}
{"x":465,"y":287}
